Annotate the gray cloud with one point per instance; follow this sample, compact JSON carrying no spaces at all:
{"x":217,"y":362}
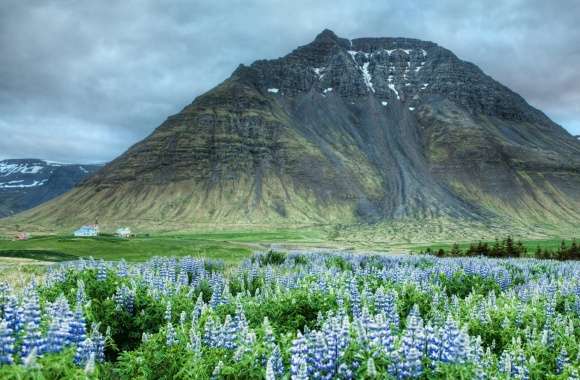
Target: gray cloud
{"x":83,"y":80}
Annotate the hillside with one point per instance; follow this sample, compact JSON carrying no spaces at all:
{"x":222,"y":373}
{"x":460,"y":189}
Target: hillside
{"x":369,"y":133}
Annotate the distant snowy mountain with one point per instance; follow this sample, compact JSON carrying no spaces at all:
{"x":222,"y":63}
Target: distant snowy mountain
{"x":26,"y":183}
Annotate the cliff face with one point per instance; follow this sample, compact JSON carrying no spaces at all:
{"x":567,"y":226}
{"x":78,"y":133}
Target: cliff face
{"x":342,"y":131}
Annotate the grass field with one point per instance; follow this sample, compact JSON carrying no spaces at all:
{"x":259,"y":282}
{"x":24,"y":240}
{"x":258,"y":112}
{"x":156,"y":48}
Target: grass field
{"x":231,"y":247}
{"x":228,"y":246}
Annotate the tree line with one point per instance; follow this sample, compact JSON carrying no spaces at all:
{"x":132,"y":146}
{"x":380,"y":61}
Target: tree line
{"x":509,"y":247}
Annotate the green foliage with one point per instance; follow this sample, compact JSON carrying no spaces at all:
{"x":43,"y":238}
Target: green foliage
{"x":508,"y":247}
{"x":271,"y":258}
{"x":338,"y":262}
{"x":49,"y":367}
{"x":462,"y":285}
{"x":287,"y":312}
{"x":299,"y":307}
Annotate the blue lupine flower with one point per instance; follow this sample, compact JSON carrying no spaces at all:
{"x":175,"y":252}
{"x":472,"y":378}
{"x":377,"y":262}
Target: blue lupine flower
{"x":81,"y":298}
{"x":13,"y":314}
{"x":213,"y":333}
{"x":198,"y":308}
{"x":411,"y":366}
{"x":122,"y":269}
{"x":170,"y":336}
{"x":168,"y":313}
{"x":450,"y":349}
{"x":77,"y":327}
{"x":519,"y":366}
{"x":299,"y":352}
{"x":269,"y":339}
{"x":101,"y":271}
{"x":561,"y":360}
{"x":433,"y":347}
{"x":270,"y":374}
{"x":84,"y":351}
{"x":344,"y":372}
{"x":90,"y":365}
{"x":390,"y":309}
{"x":6,"y":343}
{"x":215,"y":299}
{"x":125,"y":298}
{"x":302,"y":372}
{"x":230,"y":331}
{"x":276,"y":361}
{"x":32,"y":340}
{"x":56,"y":337}
{"x":194,"y":343}
{"x":98,"y":343}
{"x":182,"y":319}
{"x":355,"y":301}
{"x":247,"y":340}
{"x":479,"y":372}
{"x":413,"y":344}
{"x":548,"y":337}
{"x":31,"y":308}
{"x":316,"y":348}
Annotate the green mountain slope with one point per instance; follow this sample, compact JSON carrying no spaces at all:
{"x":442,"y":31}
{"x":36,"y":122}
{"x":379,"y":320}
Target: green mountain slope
{"x":371,"y":133}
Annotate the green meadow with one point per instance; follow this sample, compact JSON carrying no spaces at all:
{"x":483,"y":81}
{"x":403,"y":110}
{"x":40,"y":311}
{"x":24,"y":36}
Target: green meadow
{"x":231,"y":247}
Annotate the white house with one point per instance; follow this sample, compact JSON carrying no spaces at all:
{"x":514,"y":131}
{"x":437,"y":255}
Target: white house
{"x":87,"y":231}
{"x":123,"y":232}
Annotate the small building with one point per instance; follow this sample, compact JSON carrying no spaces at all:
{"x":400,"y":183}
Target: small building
{"x":22,"y":236}
{"x":88,"y":230}
{"x":123,"y":232}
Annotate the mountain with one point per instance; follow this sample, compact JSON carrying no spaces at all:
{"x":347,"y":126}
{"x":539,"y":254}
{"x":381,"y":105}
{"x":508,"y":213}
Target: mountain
{"x":27,"y":183}
{"x":363,"y":132}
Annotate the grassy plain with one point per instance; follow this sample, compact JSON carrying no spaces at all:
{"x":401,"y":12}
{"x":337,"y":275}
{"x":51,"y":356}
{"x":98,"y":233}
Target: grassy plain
{"x":230,"y":246}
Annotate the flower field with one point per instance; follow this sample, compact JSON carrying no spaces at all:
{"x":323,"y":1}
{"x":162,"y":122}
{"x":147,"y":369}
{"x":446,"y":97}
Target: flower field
{"x":323,"y":315}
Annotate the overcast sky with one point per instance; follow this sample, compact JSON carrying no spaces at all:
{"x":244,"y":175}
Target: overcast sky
{"x":81,"y":81}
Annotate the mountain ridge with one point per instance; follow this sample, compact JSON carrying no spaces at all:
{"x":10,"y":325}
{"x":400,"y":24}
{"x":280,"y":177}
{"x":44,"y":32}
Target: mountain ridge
{"x":26,"y":183}
{"x":359,"y":131}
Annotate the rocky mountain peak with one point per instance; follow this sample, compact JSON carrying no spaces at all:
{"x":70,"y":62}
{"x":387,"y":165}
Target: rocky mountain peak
{"x":326,"y":35}
{"x":404,"y":71}
{"x":348,"y":131}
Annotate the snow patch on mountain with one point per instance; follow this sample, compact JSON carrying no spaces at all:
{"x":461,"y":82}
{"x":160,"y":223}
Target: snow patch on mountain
{"x":8,"y":169}
{"x":392,"y":87}
{"x":367,"y":76}
{"x":20,"y":185}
